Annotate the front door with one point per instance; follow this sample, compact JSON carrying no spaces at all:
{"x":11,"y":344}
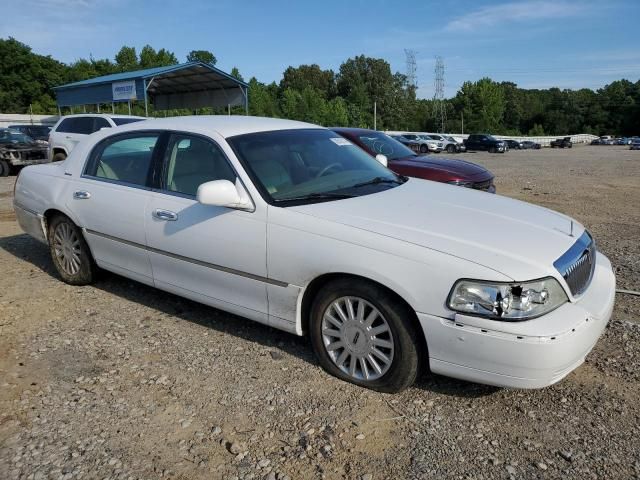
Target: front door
{"x":214,"y":255}
{"x":110,"y":199}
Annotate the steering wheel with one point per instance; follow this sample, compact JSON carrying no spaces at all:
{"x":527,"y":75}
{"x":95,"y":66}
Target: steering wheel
{"x":329,"y":167}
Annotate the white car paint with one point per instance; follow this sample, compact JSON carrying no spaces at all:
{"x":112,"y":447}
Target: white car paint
{"x":417,"y":239}
{"x":65,"y":142}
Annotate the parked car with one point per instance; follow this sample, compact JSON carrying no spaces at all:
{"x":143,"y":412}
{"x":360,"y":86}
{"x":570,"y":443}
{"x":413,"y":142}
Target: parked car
{"x":459,"y":143}
{"x":411,"y":144}
{"x":404,"y":161}
{"x":561,"y":143}
{"x":514,"y":144}
{"x":482,"y":141}
{"x":623,"y":141}
{"x":70,"y":129}
{"x":528,"y":144}
{"x":635,"y":145}
{"x":18,"y":150}
{"x":40,"y":133}
{"x":291,"y":225}
{"x":596,"y":141}
{"x":426,"y":144}
{"x":448,"y":143}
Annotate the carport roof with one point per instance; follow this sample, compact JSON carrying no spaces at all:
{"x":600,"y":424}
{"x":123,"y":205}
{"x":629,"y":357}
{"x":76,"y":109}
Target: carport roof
{"x":169,"y":74}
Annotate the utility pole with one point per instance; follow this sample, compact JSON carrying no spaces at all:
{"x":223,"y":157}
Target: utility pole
{"x":375,"y":115}
{"x":440,"y":107}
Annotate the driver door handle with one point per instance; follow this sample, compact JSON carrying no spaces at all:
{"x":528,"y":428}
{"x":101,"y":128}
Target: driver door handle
{"x":81,"y":195}
{"x":166,"y":215}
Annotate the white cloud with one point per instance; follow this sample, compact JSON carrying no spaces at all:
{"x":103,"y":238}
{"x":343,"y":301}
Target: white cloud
{"x":515,"y":11}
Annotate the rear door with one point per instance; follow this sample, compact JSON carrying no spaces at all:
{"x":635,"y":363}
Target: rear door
{"x":215,"y":255}
{"x":110,"y":199}
{"x":72,"y":130}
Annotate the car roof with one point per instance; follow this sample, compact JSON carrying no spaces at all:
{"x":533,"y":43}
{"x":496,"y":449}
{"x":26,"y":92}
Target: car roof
{"x":103,"y":115}
{"x":225,"y":125}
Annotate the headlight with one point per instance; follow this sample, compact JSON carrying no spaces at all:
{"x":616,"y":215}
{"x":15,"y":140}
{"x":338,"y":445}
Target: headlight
{"x":507,"y":301}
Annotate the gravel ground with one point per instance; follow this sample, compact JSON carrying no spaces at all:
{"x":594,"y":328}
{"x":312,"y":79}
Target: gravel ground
{"x":121,"y":381}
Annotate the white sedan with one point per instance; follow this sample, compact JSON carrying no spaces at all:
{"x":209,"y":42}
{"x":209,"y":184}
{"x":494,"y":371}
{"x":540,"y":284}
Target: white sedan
{"x":287,"y":224}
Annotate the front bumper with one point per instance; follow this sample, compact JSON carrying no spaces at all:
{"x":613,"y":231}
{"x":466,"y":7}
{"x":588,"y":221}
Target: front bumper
{"x":530,"y":354}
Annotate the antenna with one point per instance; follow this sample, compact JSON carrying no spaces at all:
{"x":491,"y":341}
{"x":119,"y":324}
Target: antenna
{"x":412,"y":79}
{"x":439,"y":104}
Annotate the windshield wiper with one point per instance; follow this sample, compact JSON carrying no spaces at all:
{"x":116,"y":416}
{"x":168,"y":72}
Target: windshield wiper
{"x":377,"y":180}
{"x":317,"y":196}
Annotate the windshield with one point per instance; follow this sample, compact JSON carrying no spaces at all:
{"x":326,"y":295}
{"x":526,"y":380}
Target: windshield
{"x":124,"y":121}
{"x":14,"y":137}
{"x":491,"y":137}
{"x":309,"y":164}
{"x":384,"y":144}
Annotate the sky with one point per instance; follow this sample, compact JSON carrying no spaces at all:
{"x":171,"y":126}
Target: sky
{"x":534,"y":43}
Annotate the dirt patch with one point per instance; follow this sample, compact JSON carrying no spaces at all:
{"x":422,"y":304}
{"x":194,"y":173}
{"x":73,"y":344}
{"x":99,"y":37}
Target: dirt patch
{"x":120,"y":380}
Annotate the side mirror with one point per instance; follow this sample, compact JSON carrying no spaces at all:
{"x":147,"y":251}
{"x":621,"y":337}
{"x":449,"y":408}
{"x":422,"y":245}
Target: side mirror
{"x":223,"y":193}
{"x":382,"y":159}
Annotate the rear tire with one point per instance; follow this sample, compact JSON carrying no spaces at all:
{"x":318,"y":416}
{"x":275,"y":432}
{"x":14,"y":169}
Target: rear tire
{"x":372,"y":343}
{"x":70,"y":253}
{"x":424,"y":149}
{"x":59,"y":157}
{"x":4,"y":168}
{"x":451,"y":148}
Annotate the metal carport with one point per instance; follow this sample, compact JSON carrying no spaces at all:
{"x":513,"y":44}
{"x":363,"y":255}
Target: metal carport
{"x":188,"y":85}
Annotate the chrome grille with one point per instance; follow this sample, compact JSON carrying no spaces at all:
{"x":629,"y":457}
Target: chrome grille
{"x":578,"y":263}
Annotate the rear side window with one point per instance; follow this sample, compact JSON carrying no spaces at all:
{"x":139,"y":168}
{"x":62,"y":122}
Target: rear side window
{"x":124,"y":159}
{"x":82,"y":125}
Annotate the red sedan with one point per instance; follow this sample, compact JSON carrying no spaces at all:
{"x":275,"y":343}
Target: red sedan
{"x":404,"y":161}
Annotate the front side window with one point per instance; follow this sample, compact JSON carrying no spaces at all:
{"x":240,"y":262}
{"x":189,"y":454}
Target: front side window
{"x":191,"y":161}
{"x":125,"y":160}
{"x":310,"y":165}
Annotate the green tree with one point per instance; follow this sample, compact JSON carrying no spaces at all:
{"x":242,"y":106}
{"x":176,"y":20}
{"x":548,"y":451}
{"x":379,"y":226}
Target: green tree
{"x":483,"y":105}
{"x":27,"y":78}
{"x":235,"y":73}
{"x":149,"y":58}
{"x":299,"y":78}
{"x":204,"y":56}
{"x":127,"y":59}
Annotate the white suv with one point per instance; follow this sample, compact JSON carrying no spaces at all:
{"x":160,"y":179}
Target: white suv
{"x":71,"y":129}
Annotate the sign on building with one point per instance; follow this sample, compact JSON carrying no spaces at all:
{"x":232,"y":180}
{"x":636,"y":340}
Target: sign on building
{"x":124,"y":90}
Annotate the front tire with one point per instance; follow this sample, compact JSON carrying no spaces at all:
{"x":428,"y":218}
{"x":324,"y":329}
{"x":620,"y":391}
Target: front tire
{"x":424,"y":149}
{"x":451,"y":148}
{"x":492,"y":149}
{"x":362,"y":334}
{"x":70,"y":253}
{"x":4,"y":168}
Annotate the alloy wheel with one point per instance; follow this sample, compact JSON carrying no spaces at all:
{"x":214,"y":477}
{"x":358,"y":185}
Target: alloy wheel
{"x":66,"y":246}
{"x":357,"y":338}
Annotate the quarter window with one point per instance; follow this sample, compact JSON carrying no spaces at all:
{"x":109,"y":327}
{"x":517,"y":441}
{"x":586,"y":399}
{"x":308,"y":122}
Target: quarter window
{"x":191,"y":161}
{"x":125,"y":160}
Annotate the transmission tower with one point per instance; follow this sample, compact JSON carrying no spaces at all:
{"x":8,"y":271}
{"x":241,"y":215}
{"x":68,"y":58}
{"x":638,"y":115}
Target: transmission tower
{"x":412,"y":79}
{"x":439,"y":104}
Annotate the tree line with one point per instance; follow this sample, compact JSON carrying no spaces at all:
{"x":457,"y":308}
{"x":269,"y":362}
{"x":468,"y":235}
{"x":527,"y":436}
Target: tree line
{"x":346,"y":97}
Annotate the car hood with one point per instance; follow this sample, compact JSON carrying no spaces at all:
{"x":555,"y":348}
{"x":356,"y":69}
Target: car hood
{"x":453,"y":166}
{"x":517,"y":239}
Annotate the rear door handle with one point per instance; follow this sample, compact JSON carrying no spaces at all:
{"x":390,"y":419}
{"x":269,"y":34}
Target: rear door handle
{"x":81,"y":195}
{"x":165,"y":215}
